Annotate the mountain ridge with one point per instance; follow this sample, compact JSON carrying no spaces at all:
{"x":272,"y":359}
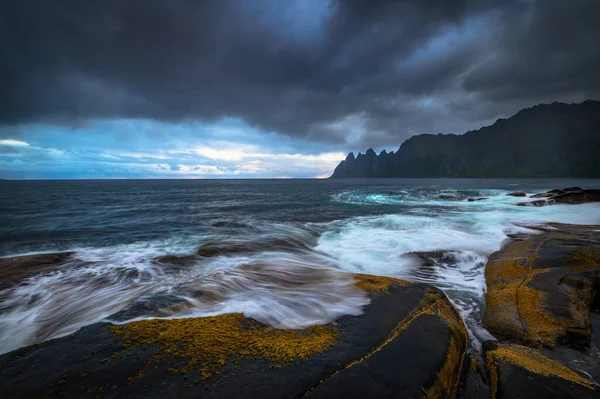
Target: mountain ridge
{"x":546,"y":140}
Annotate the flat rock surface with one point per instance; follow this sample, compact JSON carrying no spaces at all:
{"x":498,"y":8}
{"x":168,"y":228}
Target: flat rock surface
{"x":542,"y":294}
{"x":520,"y":372}
{"x":409,"y":342}
{"x":540,"y":290}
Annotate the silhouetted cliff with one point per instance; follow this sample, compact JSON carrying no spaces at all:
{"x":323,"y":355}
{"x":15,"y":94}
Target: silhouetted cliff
{"x":547,"y":140}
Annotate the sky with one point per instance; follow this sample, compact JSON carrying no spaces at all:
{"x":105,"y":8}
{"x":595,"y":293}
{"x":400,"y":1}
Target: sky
{"x":265,"y":88}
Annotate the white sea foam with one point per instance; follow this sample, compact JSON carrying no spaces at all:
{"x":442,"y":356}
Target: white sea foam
{"x":286,"y":290}
{"x":287,"y":277}
{"x":470,"y":231}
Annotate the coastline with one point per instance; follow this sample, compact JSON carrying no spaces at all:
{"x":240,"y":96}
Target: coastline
{"x":560,"y":353}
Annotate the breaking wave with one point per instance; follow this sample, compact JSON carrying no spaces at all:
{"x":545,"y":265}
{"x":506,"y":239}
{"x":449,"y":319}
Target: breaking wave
{"x":285,"y":274}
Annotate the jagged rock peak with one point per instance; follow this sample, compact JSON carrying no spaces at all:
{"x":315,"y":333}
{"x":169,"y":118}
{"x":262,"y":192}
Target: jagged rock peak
{"x":548,"y":140}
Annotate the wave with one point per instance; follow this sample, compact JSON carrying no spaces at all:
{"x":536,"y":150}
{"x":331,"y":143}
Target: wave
{"x":415,"y":196}
{"x":274,"y":278}
{"x":288,"y":275}
{"x":444,"y":247}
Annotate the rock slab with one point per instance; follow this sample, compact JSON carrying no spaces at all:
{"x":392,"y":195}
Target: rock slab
{"x":540,"y":290}
{"x":409,"y":342}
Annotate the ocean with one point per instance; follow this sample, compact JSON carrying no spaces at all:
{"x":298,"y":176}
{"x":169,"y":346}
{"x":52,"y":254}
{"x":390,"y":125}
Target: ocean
{"x":280,"y":251}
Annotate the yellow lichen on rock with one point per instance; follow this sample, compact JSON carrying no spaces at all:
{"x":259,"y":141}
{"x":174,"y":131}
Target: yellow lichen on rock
{"x":208,"y":343}
{"x":448,"y":378}
{"x":584,"y":259}
{"x":506,"y":271}
{"x":542,"y":328}
{"x":369,"y":282}
{"x":434,"y":303}
{"x":532,"y":361}
{"x":514,"y":310}
{"x":504,"y":276}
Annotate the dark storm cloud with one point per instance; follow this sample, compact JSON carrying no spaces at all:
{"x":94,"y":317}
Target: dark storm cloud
{"x":550,"y":49}
{"x":305,"y":69}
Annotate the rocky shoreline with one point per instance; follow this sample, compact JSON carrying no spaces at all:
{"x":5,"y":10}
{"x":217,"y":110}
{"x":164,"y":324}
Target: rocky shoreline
{"x":379,"y":353}
{"x":542,"y":306}
{"x":569,"y":195}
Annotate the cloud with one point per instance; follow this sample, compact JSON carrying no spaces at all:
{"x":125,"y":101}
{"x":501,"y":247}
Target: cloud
{"x":152,"y":88}
{"x":93,"y":152}
{"x":14,"y":143}
{"x":305,"y":69}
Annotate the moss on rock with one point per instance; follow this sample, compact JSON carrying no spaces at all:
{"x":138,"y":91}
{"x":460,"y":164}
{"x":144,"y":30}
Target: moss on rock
{"x":540,"y":290}
{"x":369,"y":282}
{"x":584,"y":259}
{"x":448,"y":378}
{"x":530,"y":361}
{"x":208,"y":343}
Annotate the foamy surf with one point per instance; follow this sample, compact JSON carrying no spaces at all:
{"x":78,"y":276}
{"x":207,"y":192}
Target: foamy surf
{"x":286,"y":272}
{"x":126,"y":283}
{"x":444,"y":241}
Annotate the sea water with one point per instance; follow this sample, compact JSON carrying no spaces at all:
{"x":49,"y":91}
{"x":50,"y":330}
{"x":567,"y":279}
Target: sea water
{"x":287,"y":248}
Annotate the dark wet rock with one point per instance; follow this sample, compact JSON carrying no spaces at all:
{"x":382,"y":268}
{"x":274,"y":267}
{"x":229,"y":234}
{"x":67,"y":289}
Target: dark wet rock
{"x":537,"y":203}
{"x":542,"y":195}
{"x":176,"y":259}
{"x":578,"y":197}
{"x":474,"y":381}
{"x":15,"y":269}
{"x":432,"y":258}
{"x":409,"y":342}
{"x":569,"y":195}
{"x":540,"y":291}
{"x":584,"y":360}
{"x":518,"y":236}
{"x":228,"y":247}
{"x":448,"y":197}
{"x":567,"y":189}
{"x":519,"y":372}
{"x":517,"y":194}
{"x":461,"y":196}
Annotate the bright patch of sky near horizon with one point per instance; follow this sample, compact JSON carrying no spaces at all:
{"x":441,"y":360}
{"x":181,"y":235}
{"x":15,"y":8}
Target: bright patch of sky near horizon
{"x":148,"y":149}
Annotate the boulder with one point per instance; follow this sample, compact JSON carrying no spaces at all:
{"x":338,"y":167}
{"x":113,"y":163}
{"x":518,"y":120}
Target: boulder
{"x":474,"y":381}
{"x":517,"y":194}
{"x":586,"y":361}
{"x":578,"y":197}
{"x":569,"y":195}
{"x":516,"y":371}
{"x":410,"y":341}
{"x":540,"y":290}
{"x":542,"y":202}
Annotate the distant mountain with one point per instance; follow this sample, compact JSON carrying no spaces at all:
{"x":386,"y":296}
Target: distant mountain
{"x":547,"y":140}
